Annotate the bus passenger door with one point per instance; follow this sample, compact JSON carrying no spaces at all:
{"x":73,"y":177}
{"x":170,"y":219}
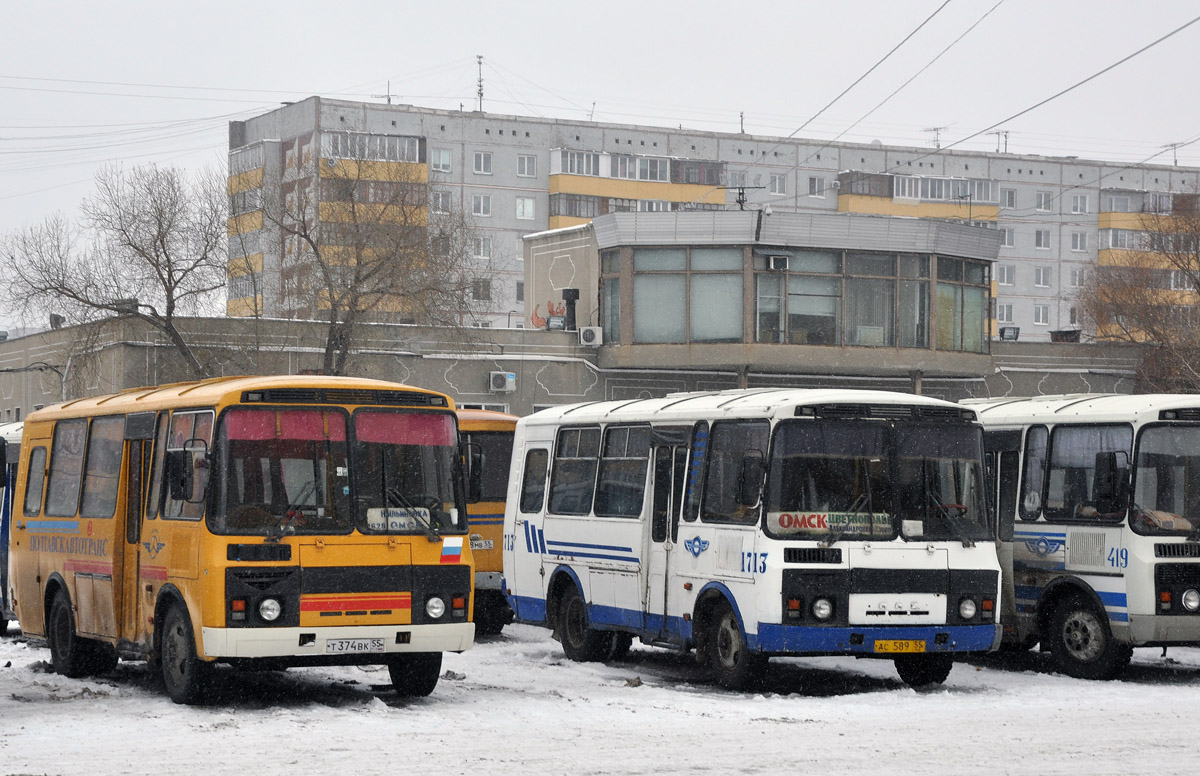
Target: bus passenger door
{"x":139,"y":431}
{"x":669,"y":465}
{"x":1002,"y":453}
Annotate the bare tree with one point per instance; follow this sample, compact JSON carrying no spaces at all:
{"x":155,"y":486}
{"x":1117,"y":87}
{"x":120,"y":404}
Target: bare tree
{"x":1146,"y":293}
{"x":150,"y":244}
{"x":361,"y":243}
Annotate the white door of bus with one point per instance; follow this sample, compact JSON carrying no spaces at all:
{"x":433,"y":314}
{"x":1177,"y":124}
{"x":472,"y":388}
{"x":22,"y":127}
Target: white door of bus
{"x":667,"y":490}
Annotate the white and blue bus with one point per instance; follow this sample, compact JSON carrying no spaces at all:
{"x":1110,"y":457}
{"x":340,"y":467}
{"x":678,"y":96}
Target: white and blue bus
{"x":10,"y":455}
{"x":755,"y":523}
{"x":1098,"y":504}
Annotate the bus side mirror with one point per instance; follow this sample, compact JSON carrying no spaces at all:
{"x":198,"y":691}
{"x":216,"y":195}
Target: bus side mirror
{"x":473,"y":474}
{"x":1110,"y":485}
{"x":179,"y":475}
{"x":750,"y":481}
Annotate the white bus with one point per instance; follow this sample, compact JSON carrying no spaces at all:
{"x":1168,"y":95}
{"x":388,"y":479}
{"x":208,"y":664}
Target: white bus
{"x":754,"y":523}
{"x":1098,"y":556}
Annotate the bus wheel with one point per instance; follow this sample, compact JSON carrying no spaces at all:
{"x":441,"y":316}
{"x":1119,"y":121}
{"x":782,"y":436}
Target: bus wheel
{"x":735,"y":666}
{"x":579,"y":641}
{"x":1082,"y":643}
{"x":414,"y":675}
{"x":185,"y":676}
{"x":3,"y":627}
{"x":621,"y":644}
{"x":68,"y":652}
{"x":924,"y":670}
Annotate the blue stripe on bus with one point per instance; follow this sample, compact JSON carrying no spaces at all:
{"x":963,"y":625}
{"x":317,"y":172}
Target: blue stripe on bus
{"x":1026,"y":592}
{"x":541,"y":540}
{"x":586,"y":546}
{"x":486,"y":521}
{"x":528,"y":541}
{"x":817,"y":639}
{"x":597,"y":555}
{"x":1035,"y":534}
{"x":1113,"y":599}
{"x":53,"y":526}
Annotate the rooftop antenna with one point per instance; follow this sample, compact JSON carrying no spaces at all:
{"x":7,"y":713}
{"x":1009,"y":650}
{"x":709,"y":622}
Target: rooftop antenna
{"x":1001,"y":133}
{"x":1174,"y":151}
{"x":592,"y":112}
{"x":742,"y":122}
{"x":479,"y":92}
{"x":937,"y":135}
{"x":388,"y":96}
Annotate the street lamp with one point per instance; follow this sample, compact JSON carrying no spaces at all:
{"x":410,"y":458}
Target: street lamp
{"x":510,"y":315}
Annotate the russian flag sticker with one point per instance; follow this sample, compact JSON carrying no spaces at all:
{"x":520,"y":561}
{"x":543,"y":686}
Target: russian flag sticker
{"x":452,"y":547}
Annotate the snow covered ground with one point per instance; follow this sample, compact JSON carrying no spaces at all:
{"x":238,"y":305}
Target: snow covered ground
{"x":515,"y":705}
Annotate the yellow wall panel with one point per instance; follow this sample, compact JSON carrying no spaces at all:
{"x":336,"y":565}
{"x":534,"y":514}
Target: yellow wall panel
{"x":626,"y":189}
{"x":250,"y":179}
{"x":372,"y":213}
{"x":245,"y":223}
{"x":558,"y":222}
{"x":244,"y":265}
{"x":885,"y":206}
{"x":353,"y":169}
{"x":244,"y":308}
{"x":1121,"y":221}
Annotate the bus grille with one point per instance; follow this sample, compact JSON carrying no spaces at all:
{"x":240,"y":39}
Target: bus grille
{"x":343,"y":396}
{"x":812,"y":555}
{"x":261,"y":579}
{"x":1188,"y":550}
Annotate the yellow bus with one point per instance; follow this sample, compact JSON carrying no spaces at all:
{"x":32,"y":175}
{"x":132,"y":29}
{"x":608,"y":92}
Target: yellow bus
{"x":488,"y":438}
{"x":257,"y":521}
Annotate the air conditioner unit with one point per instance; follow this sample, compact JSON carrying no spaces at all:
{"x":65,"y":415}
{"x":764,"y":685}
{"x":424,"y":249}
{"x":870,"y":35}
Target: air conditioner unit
{"x":592,"y":336}
{"x":777,"y":263}
{"x":502,"y":382}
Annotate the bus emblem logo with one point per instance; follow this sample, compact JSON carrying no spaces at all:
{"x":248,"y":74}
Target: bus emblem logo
{"x":695,"y":546}
{"x":153,"y":545}
{"x":1042,"y":546}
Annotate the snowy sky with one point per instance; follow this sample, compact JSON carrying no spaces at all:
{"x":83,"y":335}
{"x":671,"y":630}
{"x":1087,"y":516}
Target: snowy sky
{"x":84,"y":83}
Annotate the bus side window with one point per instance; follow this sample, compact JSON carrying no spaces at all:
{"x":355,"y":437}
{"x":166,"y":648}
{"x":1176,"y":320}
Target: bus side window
{"x":1035,"y":472}
{"x":699,"y":450}
{"x":533,"y":481}
{"x":154,"y":499}
{"x":1009,"y":460}
{"x":34,"y":481}
{"x":102,"y":470}
{"x":622,"y":481}
{"x":66,"y":468}
{"x":573,"y":479}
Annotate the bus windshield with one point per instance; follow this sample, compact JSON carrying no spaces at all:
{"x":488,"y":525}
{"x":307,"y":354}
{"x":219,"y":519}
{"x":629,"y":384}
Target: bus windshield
{"x":404,"y":472}
{"x":835,"y":479}
{"x":1166,"y":490}
{"x":293,"y":471}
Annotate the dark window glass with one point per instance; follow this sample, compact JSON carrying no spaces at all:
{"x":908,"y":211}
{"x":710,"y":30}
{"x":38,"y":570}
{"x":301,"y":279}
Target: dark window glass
{"x":573,"y":480}
{"x":870,"y":264}
{"x":194,"y":428}
{"x":622,"y":481}
{"x":731,"y":444}
{"x":66,"y":468}
{"x":154,"y":495}
{"x":1070,"y":480}
{"x":34,"y":481}
{"x":699,"y":454}
{"x":496,"y":449}
{"x":1035,"y":472}
{"x":533,"y":481}
{"x":102,"y":474}
{"x":1009,"y":467}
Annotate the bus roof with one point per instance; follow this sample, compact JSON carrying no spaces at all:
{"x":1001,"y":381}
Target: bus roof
{"x":1067,"y":408}
{"x":746,"y":402}
{"x":480,"y":420}
{"x":203,"y":393}
{"x":11,"y":432}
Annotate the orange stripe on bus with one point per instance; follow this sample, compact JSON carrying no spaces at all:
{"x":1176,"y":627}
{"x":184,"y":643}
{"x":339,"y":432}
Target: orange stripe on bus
{"x":349,"y":603}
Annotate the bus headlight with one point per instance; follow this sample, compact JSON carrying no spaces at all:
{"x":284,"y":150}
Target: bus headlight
{"x":967,"y":609}
{"x":1191,"y":599}
{"x":435,"y":607}
{"x":822,"y":608}
{"x":270,"y":609}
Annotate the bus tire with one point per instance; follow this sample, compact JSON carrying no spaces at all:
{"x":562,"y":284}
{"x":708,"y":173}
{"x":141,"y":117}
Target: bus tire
{"x":415,"y":674}
{"x":919,"y":671}
{"x":3,"y":627}
{"x":580,"y":642}
{"x":185,"y":676}
{"x":734,"y":666}
{"x":69,"y":654}
{"x":621,"y":644}
{"x":1081,"y":641}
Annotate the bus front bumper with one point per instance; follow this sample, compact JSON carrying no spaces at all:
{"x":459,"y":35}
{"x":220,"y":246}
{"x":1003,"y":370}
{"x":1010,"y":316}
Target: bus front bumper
{"x":875,"y":640}
{"x":1161,"y":629}
{"x":334,"y":642}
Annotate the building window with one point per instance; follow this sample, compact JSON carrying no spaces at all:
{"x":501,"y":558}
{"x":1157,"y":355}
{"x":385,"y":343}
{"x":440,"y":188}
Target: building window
{"x":481,"y":204}
{"x":439,"y":201}
{"x":1041,"y":277}
{"x":1008,"y":198}
{"x":1006,"y":274}
{"x":380,"y":148}
{"x":483,"y":162}
{"x":652,"y":169}
{"x":439,"y":160}
{"x":737,"y":179}
{"x":1078,"y":241}
{"x":1079,"y":203}
{"x":525,"y":208}
{"x":1041,"y":314}
{"x":1004,"y":313}
{"x":816,"y":186}
{"x":1078,"y":277}
{"x":580,"y":163}
{"x":681,"y":295}
{"x":1041,"y":239}
{"x":1044,"y":201}
{"x":1159,"y":203}
{"x":1119,"y":204}
{"x":1007,"y":236}
{"x":1074,"y":316}
{"x":962,"y":305}
{"x":526,"y":165}
{"x":691,"y":174}
{"x":778,"y":184}
{"x":482,"y":247}
{"x":481,"y":290}
{"x":520,"y":290}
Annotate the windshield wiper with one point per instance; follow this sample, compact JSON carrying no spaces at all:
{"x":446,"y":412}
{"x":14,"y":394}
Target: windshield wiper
{"x":864,"y":498}
{"x":294,"y":513}
{"x":430,"y":530}
{"x":955,"y":521}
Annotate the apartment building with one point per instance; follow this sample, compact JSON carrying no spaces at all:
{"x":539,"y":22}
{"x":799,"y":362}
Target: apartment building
{"x":1059,"y":217}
